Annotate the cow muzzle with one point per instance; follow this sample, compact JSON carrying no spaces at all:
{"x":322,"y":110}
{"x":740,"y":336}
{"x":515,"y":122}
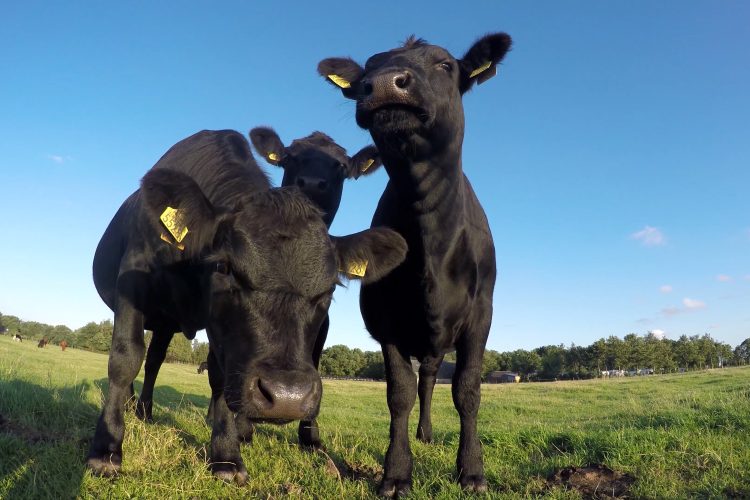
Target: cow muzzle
{"x":281,"y":396}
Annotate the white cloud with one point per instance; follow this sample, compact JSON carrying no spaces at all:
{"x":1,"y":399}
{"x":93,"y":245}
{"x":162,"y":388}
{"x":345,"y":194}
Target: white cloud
{"x":671,"y":311}
{"x":659,"y":334}
{"x":691,"y":304}
{"x":723,"y":278}
{"x":665,"y":288}
{"x":650,"y":237}
{"x":59,"y":159}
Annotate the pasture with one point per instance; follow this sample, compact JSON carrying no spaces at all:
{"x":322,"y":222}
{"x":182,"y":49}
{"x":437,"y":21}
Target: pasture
{"x":674,"y":436}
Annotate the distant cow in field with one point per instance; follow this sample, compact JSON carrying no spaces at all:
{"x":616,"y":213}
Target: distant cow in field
{"x":202,"y":367}
{"x":318,"y":167}
{"x":440,"y":298}
{"x":17,"y":338}
{"x":63,"y":345}
{"x":43,"y":342}
{"x":206,"y":243}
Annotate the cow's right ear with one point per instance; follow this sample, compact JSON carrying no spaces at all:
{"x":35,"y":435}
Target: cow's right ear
{"x":371,"y":254}
{"x":364,"y":162}
{"x":177,"y":207}
{"x":268,"y":144}
{"x":342,"y":72}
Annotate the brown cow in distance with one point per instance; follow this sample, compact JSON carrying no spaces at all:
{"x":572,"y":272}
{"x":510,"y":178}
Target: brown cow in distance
{"x":63,"y":345}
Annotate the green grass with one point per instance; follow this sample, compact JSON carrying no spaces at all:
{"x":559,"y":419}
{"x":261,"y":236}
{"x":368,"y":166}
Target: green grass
{"x":679,"y":436}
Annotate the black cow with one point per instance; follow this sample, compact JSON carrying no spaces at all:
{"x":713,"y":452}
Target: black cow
{"x":43,"y":342}
{"x":318,"y":166}
{"x":205,"y":243}
{"x":440,"y":298}
{"x":202,"y":367}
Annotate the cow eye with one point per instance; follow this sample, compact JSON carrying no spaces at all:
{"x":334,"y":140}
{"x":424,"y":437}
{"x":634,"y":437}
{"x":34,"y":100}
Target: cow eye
{"x":445,"y":66}
{"x":222,"y":267}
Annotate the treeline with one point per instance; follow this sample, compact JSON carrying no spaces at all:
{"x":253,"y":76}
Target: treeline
{"x":631,"y":353}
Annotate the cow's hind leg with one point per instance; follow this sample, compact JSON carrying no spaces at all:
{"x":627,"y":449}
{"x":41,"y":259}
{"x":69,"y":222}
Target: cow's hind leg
{"x":466,"y":396}
{"x":155,"y":355}
{"x":125,"y":358}
{"x":427,"y":372}
{"x":401,"y":395}
{"x":308,"y":432}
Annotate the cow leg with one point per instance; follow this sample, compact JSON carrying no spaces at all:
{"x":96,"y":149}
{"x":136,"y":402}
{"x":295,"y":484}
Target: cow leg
{"x":466,"y":396}
{"x":308,"y":432}
{"x":226,"y":461}
{"x":125,"y":358}
{"x":155,"y":355}
{"x":401,"y":394}
{"x":427,"y":372}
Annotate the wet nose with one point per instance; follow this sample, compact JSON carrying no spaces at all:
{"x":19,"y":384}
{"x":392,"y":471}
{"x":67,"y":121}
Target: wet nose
{"x":390,"y":82}
{"x":286,"y":396}
{"x":307,"y":183}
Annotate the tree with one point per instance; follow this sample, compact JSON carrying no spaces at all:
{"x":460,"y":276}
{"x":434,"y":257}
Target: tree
{"x":524,"y":362}
{"x":552,"y":361}
{"x":374,"y":366}
{"x":180,"y":350}
{"x":200,"y":352}
{"x":95,"y":337}
{"x":742,"y":352}
{"x":340,"y":361}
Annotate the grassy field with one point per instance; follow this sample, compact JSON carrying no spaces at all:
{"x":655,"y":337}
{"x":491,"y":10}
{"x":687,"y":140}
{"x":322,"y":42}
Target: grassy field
{"x":675,"y":436}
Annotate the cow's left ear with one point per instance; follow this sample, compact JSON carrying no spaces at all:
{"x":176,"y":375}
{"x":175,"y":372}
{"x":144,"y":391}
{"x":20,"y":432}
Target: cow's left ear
{"x":479,"y":64}
{"x":178,"y":209}
{"x":371,"y":254}
{"x":343,"y":72}
{"x":268,"y":144}
{"x":364,"y":162}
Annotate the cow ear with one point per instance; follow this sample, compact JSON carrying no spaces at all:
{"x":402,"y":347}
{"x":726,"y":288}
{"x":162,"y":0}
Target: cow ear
{"x":479,"y":64}
{"x":268,"y":144}
{"x":342,"y":72}
{"x":364,"y":162}
{"x":371,"y":254}
{"x":176,"y":206}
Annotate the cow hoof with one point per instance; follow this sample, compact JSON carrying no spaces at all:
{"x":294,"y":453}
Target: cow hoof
{"x":477,"y":484}
{"x":144,"y":415}
{"x":312,"y":447}
{"x":229,"y":473}
{"x":106,"y":466}
{"x":394,"y":488}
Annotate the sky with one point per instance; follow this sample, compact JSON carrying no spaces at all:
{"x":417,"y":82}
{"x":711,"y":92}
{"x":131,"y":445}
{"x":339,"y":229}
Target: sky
{"x":611,"y":152}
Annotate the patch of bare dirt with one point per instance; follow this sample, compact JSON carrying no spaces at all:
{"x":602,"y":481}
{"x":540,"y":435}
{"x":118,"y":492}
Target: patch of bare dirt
{"x":23,"y":432}
{"x":341,"y":469}
{"x":593,"y":482}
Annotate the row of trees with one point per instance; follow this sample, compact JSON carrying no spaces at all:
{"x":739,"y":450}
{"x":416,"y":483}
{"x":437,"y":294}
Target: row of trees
{"x":632,"y":352}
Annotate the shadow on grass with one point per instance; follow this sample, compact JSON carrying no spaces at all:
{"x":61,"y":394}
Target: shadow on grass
{"x":43,"y":439}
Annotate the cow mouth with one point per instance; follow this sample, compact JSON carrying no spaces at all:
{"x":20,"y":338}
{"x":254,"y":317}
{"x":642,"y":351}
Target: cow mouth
{"x":394,"y":118}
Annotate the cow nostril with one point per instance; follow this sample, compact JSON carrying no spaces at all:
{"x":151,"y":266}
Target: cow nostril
{"x":367,"y":87}
{"x":402,"y":81}
{"x":264,"y":394}
{"x":322,"y":185}
{"x":300,"y":182}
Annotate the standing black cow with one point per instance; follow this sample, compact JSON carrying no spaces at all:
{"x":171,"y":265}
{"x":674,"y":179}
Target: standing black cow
{"x":205,"y":243}
{"x":318,"y":166}
{"x":43,"y":342}
{"x":440,"y":298}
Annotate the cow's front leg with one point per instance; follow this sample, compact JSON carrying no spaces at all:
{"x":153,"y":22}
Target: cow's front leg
{"x":427,"y":375}
{"x":226,"y":461}
{"x":157,"y":352}
{"x":125,"y":358}
{"x":401,"y":394}
{"x":466,"y":396}
{"x":308,"y":432}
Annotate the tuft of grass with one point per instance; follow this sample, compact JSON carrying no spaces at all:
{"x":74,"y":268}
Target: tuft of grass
{"x":679,"y":436}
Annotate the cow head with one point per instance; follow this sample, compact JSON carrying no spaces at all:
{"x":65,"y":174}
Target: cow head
{"x":413,"y":93}
{"x":268,"y":270}
{"x":315,"y":164}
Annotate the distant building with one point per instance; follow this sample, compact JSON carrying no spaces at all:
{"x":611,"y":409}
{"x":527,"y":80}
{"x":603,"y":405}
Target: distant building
{"x":503,"y":377}
{"x":444,"y":374}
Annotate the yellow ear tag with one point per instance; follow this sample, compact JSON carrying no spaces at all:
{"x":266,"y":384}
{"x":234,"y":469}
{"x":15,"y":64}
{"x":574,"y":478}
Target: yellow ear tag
{"x":357,"y":268}
{"x":273,"y":157}
{"x":341,"y":82}
{"x":172,"y":220}
{"x":367,"y":165}
{"x":481,"y":68}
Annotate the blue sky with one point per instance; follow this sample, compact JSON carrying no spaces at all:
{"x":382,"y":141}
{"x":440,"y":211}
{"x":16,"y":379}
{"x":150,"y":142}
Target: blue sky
{"x":610,"y":153}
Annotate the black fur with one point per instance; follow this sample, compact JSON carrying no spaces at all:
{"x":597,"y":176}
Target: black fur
{"x":257,"y":271}
{"x":440,"y":298}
